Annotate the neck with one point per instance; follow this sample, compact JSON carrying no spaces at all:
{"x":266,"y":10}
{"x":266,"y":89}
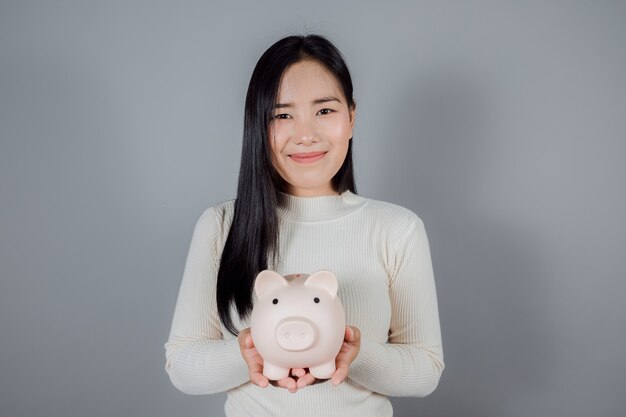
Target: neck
{"x":313,"y":192}
{"x":319,"y":207}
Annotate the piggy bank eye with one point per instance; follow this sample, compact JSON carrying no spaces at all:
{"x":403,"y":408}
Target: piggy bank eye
{"x":317,"y":300}
{"x":275,"y":301}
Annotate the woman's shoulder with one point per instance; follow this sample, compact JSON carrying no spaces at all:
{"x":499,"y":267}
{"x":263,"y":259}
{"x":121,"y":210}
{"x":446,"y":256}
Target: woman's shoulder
{"x":217,"y":218}
{"x":221,"y":210}
{"x":394,"y":224}
{"x":392,"y":213}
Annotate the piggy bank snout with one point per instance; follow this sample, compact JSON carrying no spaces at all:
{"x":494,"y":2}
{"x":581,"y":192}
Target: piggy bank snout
{"x":295,"y":334}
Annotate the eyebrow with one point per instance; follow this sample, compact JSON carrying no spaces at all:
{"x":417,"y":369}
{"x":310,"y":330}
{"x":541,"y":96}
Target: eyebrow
{"x":316,"y":101}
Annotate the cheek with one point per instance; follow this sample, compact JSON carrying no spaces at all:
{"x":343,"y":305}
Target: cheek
{"x":276,"y":137}
{"x":339,"y":130}
{"x":272,"y":139}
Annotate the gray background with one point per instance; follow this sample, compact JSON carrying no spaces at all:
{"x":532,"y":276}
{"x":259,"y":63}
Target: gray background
{"x":502,"y":124}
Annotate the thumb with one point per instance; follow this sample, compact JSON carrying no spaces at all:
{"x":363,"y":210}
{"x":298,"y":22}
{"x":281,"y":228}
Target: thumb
{"x":354,"y":334}
{"x":349,"y":333}
{"x":248,"y":341}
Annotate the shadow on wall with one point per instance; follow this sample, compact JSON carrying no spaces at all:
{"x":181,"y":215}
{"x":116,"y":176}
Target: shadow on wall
{"x":490,"y":273}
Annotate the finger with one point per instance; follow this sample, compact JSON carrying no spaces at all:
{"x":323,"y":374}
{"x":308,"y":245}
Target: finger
{"x":256,"y":367}
{"x":357,"y":333}
{"x":339,"y":375}
{"x":298,"y":372}
{"x":353,"y":334}
{"x":305,"y":380}
{"x":248,"y":342}
{"x":288,"y":383}
{"x":258,"y":379}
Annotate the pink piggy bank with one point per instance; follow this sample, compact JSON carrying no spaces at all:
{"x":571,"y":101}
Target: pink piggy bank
{"x":297,"y":322}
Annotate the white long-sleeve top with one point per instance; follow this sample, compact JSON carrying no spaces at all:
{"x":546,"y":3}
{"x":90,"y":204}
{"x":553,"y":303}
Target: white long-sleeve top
{"x":380,"y":255}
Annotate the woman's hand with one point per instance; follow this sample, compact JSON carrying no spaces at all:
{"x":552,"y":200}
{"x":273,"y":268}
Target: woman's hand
{"x":255,"y":364}
{"x":348,"y":352}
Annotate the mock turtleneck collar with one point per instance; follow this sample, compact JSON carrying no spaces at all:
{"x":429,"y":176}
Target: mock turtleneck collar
{"x":320,"y":208}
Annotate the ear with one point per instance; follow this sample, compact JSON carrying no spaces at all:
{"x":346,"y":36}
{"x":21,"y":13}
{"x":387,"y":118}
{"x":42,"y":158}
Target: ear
{"x":325,"y":280}
{"x":352,"y":112}
{"x":268,"y":281}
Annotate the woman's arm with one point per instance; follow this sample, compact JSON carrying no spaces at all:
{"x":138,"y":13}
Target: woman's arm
{"x":411,"y":362}
{"x":198,"y":360}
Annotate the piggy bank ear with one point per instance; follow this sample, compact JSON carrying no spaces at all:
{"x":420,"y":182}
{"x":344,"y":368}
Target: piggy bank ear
{"x":323,"y":279}
{"x":268,"y":281}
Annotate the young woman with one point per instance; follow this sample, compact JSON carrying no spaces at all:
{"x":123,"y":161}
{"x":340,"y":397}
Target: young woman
{"x":297,"y":211}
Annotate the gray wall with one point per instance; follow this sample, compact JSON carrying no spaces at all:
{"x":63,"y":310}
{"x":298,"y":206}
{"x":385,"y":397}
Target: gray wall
{"x":502,"y":124}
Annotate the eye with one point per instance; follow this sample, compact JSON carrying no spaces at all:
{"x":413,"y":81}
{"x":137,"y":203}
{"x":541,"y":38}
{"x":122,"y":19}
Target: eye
{"x":275,"y":301}
{"x":282,"y":116}
{"x":317,"y":300}
{"x":325,"y":111}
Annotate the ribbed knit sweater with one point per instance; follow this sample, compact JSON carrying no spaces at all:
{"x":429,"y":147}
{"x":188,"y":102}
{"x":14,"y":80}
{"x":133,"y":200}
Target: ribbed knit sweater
{"x":380,"y":255}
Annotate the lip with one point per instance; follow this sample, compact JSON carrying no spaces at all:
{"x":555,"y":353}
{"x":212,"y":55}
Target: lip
{"x":307,"y":157}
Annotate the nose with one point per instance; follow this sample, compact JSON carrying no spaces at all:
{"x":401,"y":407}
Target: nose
{"x":295,"y":334}
{"x":305,"y":132}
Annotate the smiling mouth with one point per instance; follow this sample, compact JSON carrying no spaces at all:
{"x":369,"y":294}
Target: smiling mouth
{"x":307,"y":157}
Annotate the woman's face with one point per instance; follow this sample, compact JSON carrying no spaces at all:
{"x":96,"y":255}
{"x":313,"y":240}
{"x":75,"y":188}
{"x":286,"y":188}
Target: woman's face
{"x":311,"y":129}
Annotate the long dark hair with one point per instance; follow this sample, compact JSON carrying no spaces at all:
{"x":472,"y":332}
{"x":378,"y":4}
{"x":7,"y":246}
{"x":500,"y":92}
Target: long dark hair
{"x":253,"y":235}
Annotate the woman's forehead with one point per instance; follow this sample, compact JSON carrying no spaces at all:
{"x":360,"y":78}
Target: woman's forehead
{"x":306,"y":81}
